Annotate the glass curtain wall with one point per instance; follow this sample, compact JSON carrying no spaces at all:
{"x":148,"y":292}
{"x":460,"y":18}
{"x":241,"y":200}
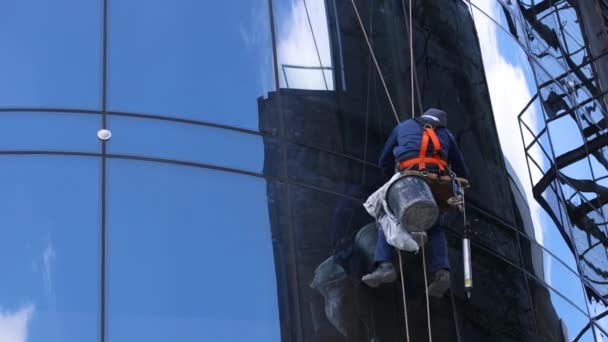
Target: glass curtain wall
{"x":227,"y":203}
{"x":542,"y":83}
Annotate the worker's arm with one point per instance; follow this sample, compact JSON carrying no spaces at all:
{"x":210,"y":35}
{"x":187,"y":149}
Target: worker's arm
{"x":456,"y":160}
{"x":387,"y":158}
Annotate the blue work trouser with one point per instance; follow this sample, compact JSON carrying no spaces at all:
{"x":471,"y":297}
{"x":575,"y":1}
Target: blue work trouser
{"x":437,"y":247}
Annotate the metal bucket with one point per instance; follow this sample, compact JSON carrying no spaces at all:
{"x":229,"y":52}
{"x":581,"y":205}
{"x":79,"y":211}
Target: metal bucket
{"x":411,"y":200}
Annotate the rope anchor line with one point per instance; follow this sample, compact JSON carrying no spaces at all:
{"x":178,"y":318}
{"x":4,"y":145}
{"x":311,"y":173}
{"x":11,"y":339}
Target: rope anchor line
{"x":371,"y":51}
{"x":390,"y":100}
{"x":466,"y":239}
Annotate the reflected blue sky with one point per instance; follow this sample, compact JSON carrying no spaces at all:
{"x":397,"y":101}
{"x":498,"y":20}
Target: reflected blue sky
{"x":44,"y":61}
{"x":512,"y":86}
{"x":300,"y":45}
{"x":194,"y":59}
{"x":50,"y":132}
{"x":511,"y":82}
{"x":573,"y":319}
{"x":185,"y":142}
{"x":50,"y":208}
{"x":190,"y":255}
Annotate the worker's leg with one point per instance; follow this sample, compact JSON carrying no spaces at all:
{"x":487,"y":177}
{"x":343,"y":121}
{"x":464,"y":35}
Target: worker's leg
{"x":384,"y":252}
{"x":383,"y":257}
{"x":438,"y":250}
{"x":439,"y":264}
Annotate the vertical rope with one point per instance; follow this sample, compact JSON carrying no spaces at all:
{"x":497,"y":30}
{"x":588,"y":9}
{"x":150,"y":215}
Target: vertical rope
{"x":426,"y":286}
{"x":410,"y":33}
{"x":412,"y":72}
{"x":412,"y":68}
{"x":455,"y":316}
{"x":411,"y":36}
{"x":371,"y":51}
{"x":369,"y":78}
{"x":407,"y":326}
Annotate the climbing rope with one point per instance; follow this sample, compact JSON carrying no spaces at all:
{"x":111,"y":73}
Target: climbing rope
{"x":314,"y":40}
{"x":426,"y":286}
{"x":412,"y":68}
{"x":411,"y":36}
{"x":413,"y":111}
{"x":413,"y":102}
{"x":407,"y":328}
{"x":371,"y":51}
{"x":413,"y":73}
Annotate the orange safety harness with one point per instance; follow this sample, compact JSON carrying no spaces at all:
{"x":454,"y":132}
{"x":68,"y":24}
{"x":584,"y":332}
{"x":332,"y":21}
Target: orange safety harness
{"x":428,"y":133}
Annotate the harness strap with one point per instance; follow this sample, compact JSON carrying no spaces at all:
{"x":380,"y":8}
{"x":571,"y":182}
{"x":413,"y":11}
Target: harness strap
{"x":424,"y":146}
{"x":428,"y":134}
{"x":441,"y":164}
{"x":436,"y":144}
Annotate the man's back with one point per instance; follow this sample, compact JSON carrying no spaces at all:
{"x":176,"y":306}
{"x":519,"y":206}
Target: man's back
{"x":404,"y":143}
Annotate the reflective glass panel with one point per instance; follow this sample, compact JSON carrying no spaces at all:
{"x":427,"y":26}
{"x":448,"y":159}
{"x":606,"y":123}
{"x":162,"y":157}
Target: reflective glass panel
{"x":515,"y":105}
{"x":506,"y":15}
{"x":532,"y":120}
{"x":50,"y":132}
{"x":552,"y":271}
{"x":565,"y":126}
{"x":586,"y":335}
{"x":571,"y":39}
{"x":599,"y":310}
{"x":550,"y":232}
{"x":303,"y":45}
{"x":329,"y":171}
{"x":193,"y":59}
{"x":544,"y":42}
{"x":540,"y":156}
{"x":51,"y":57}
{"x":490,"y":234}
{"x":333,"y":241}
{"x":556,"y":318}
{"x":593,"y":260}
{"x":499,"y":308}
{"x":600,"y":333}
{"x":595,"y":110}
{"x":190,"y":255}
{"x":578,"y":171}
{"x":192,"y":143}
{"x":49,"y":252}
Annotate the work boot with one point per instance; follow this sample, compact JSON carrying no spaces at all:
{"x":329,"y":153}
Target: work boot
{"x":440,"y":284}
{"x":384,"y":273}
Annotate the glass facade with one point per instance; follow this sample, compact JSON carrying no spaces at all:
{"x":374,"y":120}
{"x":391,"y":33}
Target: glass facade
{"x":245,"y":135}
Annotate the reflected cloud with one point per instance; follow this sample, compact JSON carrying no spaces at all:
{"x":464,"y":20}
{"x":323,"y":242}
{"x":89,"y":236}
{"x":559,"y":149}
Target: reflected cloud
{"x":255,"y":35}
{"x":547,"y":271}
{"x":296,"y":46}
{"x":14,"y":325}
{"x":509,"y":93}
{"x":48,"y":256}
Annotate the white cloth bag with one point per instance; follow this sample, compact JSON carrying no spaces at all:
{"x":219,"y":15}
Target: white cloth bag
{"x":377,"y":207}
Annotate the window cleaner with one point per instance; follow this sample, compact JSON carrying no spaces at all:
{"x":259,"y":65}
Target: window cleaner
{"x":423,"y":148}
{"x":386,"y":272}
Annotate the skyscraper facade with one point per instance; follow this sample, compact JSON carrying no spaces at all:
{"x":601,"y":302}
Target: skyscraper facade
{"x":194,"y":171}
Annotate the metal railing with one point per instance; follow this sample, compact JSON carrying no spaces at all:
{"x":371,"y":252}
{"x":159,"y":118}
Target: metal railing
{"x":302,"y":67}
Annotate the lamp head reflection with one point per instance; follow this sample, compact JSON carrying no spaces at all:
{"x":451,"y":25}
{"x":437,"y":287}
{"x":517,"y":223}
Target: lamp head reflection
{"x":104,"y":134}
